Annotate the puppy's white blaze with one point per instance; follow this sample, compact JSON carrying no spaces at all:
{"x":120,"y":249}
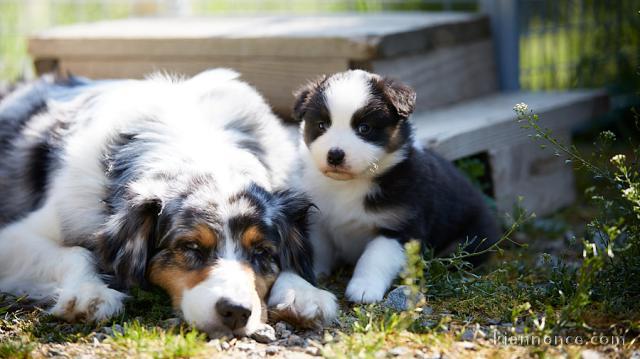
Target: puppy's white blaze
{"x":227,"y":279}
{"x":360,"y":157}
{"x":379,"y":265}
{"x":345,"y":95}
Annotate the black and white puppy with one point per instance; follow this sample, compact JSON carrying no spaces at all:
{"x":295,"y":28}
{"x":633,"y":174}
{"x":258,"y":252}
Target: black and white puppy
{"x":180,"y":183}
{"x":374,"y":188}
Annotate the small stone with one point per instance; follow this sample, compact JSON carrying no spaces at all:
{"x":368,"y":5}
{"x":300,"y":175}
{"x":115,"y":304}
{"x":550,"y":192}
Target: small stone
{"x":294,"y":341}
{"x":110,"y":331}
{"x":245,"y":346}
{"x":429,"y":323}
{"x":493,"y":321}
{"x":427,"y":310}
{"x":215,"y":344}
{"x":397,"y":351}
{"x":272,"y":350}
{"x":468,"y":335}
{"x":100,"y":337}
{"x":264,"y":335}
{"x":423,"y":355}
{"x":467,"y":345}
{"x":225,"y":345}
{"x":172,"y":322}
{"x":400,"y":299}
{"x":118,"y":328}
{"x":635,"y":354}
{"x":312,"y":351}
{"x":282,"y":330}
{"x":590,"y":354}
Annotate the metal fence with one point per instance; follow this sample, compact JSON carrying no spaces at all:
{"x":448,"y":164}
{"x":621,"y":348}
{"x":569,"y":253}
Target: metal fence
{"x":545,"y":44}
{"x":579,"y":43}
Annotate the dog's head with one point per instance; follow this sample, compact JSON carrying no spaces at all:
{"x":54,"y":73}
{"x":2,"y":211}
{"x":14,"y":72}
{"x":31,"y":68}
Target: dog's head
{"x":217,"y":257}
{"x":355,"y":123}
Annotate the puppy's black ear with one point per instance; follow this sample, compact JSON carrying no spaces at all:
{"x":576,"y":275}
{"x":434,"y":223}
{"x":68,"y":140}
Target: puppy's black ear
{"x":127,"y":240}
{"x":399,"y":95}
{"x":303,"y":95}
{"x":296,"y":252}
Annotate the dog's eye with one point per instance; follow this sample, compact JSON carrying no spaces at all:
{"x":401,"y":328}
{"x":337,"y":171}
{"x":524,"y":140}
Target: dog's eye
{"x":192,"y":246}
{"x":322,"y":126}
{"x":363,"y":128}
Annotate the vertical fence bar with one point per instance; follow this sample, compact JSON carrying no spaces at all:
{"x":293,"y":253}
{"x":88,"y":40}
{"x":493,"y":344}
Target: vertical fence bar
{"x":506,"y":35}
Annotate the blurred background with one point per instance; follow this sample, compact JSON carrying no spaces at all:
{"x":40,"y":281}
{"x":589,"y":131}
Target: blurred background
{"x":562,"y":43}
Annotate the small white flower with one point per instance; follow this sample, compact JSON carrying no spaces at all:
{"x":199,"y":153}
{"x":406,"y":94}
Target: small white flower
{"x":629,"y":192}
{"x":618,"y":159}
{"x":521,"y":108}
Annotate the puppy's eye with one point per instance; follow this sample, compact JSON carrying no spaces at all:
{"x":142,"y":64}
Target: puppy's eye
{"x":363,"y":128}
{"x":192,"y":246}
{"x":322,"y":125}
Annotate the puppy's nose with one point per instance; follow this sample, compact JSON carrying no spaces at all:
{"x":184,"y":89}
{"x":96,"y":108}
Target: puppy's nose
{"x":335,"y":157}
{"x":233,"y":315}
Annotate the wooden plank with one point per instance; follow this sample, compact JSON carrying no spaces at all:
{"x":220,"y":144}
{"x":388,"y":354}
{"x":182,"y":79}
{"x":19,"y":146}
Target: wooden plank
{"x":519,"y":167}
{"x":275,"y":79}
{"x":352,"y":36}
{"x":447,"y":75}
{"x":479,"y":125}
{"x":541,"y":178}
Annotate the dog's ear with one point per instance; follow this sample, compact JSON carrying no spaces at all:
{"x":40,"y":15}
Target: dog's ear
{"x":303,"y":95}
{"x":295,"y":250}
{"x":399,"y":95}
{"x":127,"y":241}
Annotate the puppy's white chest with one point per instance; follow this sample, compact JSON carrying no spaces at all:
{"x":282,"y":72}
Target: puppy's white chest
{"x":349,"y":228}
{"x":343,"y":219}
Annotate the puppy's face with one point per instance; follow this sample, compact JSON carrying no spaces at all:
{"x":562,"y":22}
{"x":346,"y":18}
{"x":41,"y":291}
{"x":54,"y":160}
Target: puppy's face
{"x":218,"y":258}
{"x":355,"y":123}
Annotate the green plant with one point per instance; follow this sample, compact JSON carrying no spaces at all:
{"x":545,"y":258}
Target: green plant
{"x":606,"y":278}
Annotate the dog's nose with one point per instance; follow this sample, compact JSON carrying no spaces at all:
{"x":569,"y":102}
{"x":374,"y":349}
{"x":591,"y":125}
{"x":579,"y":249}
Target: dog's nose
{"x":335,"y":157}
{"x":233,"y":315}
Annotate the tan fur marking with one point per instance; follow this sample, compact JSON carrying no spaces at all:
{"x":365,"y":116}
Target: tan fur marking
{"x":175,"y":280}
{"x":205,"y":236}
{"x":251,"y":236}
{"x":262,"y":285}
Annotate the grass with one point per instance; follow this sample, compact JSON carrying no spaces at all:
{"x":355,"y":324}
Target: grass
{"x":518,"y":286}
{"x":535,"y":286}
{"x":157,"y":342}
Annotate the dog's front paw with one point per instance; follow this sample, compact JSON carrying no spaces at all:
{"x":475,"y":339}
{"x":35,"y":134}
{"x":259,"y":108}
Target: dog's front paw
{"x":87,"y":302}
{"x":363,"y":290}
{"x":295,"y":300}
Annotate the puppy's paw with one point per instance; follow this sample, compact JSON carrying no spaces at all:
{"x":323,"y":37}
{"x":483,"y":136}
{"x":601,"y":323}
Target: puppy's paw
{"x":87,"y":302}
{"x":365,"y":290}
{"x":293,"y":299}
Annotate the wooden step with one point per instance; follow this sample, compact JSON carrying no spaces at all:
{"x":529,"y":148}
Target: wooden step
{"x":519,"y":167}
{"x":447,"y":57}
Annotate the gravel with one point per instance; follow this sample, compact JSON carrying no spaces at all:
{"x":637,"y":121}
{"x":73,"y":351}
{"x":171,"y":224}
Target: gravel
{"x":400,"y":299}
{"x":264,"y":335}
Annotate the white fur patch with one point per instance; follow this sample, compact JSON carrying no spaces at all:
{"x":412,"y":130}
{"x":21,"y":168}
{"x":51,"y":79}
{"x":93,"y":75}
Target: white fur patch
{"x":228,"y":279}
{"x":379,"y":265}
{"x":292,"y":292}
{"x":345,"y":95}
{"x":33,"y":262}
